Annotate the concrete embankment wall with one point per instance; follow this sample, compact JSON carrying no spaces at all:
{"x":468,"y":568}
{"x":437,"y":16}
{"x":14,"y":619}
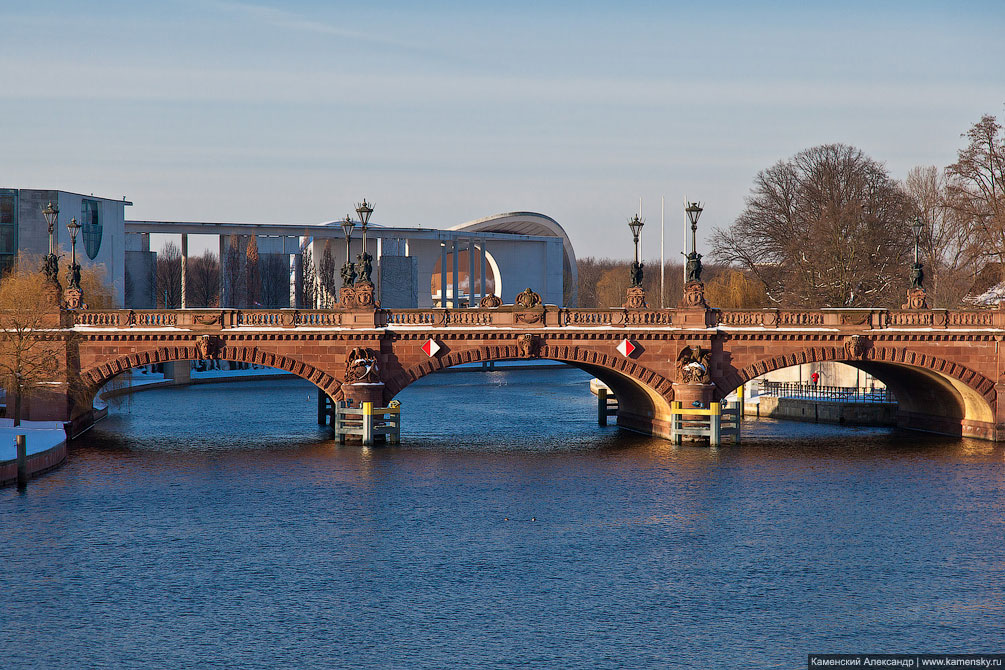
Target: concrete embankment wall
{"x":818,"y":411}
{"x":38,"y":464}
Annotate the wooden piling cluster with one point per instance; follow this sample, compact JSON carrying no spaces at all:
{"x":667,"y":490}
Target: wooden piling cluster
{"x":715,"y":423}
{"x":607,"y":405}
{"x":367,"y":422}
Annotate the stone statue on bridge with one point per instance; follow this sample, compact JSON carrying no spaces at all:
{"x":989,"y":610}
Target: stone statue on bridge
{"x":364,"y":267}
{"x":693,"y":268}
{"x":348,"y":274}
{"x":636,"y":273}
{"x":694,"y":365}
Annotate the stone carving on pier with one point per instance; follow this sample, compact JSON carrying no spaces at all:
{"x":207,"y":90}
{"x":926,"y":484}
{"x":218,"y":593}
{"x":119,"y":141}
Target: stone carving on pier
{"x":635,"y":298}
{"x":529,"y":345}
{"x":73,"y":298}
{"x":361,"y":366}
{"x":528,"y":299}
{"x":207,"y":319}
{"x":360,"y":296}
{"x":856,"y":346}
{"x":916,"y":299}
{"x":694,"y":295}
{"x":491,"y":300}
{"x":208,"y":346}
{"x":694,"y":365}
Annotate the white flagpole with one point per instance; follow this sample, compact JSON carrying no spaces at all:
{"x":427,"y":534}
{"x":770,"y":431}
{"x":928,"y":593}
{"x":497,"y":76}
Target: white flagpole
{"x":662,"y":260}
{"x":684,"y":253}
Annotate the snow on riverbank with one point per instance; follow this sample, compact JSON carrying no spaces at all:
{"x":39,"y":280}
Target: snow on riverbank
{"x":41,"y":436}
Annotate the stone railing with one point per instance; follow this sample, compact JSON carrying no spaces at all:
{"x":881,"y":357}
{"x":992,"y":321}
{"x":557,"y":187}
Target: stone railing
{"x":541,"y":316}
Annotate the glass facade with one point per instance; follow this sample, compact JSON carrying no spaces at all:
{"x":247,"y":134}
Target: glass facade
{"x":90,"y":221}
{"x":8,"y":228}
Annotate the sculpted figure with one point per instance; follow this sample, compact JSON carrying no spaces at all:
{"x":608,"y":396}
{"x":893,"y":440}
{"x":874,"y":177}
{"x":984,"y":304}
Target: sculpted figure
{"x":361,"y":366}
{"x":694,"y":365}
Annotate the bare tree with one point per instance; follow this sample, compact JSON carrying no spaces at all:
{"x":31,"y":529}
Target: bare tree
{"x":169,"y":276}
{"x":233,"y":273}
{"x":275,"y":280}
{"x":949,"y":250}
{"x":203,"y":283}
{"x":254,"y":278}
{"x":825,"y":228}
{"x":327,"y":272}
{"x":28,"y":360}
{"x":308,"y":284}
{"x":976,"y":188}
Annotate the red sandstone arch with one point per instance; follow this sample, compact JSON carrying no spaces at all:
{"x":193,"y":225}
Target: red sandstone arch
{"x":97,"y":376}
{"x":919,"y":381}
{"x":644,"y":396}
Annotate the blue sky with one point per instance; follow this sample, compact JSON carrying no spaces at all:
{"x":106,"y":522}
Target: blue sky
{"x":442,"y":112}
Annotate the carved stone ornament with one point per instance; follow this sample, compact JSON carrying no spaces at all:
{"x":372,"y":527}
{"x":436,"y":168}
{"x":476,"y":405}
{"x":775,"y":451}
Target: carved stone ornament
{"x":694,"y":295}
{"x":694,"y":365}
{"x":529,"y":345}
{"x":207,"y":319}
{"x":361,"y":366}
{"x":528,"y":299}
{"x":856,"y":346}
{"x":855,"y":319}
{"x":74,"y":298}
{"x":360,"y":296}
{"x":916,"y":299}
{"x":208,"y":346}
{"x":491,"y":300}
{"x":635,"y":298}
{"x":528,"y":318}
{"x":131,"y":318}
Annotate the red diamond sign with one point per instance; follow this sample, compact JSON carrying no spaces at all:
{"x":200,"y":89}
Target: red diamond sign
{"x":430,"y":347}
{"x":626,"y":348}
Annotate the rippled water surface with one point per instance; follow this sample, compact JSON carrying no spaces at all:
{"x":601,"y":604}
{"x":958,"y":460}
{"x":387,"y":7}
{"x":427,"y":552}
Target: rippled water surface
{"x":220,"y":526}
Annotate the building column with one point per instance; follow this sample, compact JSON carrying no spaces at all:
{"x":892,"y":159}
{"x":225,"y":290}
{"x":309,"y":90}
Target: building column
{"x":223,"y":274}
{"x":455,"y":284}
{"x":184,"y":268}
{"x":443,"y":274}
{"x":471,"y":273}
{"x":484,"y":291}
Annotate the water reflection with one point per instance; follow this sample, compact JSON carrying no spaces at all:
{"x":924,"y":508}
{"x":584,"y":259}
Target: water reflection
{"x":220,"y":525}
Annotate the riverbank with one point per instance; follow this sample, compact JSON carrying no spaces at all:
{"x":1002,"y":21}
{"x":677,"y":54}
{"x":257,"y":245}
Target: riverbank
{"x":46,"y":448}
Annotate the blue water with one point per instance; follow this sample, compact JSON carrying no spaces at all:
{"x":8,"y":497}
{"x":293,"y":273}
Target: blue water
{"x":220,"y":526}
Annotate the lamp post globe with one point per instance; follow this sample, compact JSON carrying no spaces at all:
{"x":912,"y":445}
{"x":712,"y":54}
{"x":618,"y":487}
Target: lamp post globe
{"x":364,"y":210}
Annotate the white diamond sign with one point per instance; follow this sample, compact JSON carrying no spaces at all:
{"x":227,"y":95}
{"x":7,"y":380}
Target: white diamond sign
{"x":626,"y":348}
{"x":430,"y":347}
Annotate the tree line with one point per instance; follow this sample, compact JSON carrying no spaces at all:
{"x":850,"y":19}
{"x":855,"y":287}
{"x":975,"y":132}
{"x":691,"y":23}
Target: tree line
{"x":829,"y":227}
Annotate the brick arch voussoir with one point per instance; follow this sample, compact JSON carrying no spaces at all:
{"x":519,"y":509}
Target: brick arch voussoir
{"x":97,"y":376}
{"x":895,"y":355}
{"x":642,"y":375}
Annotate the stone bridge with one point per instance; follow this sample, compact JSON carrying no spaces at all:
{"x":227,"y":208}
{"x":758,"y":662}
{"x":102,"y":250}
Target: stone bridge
{"x":944,"y":367}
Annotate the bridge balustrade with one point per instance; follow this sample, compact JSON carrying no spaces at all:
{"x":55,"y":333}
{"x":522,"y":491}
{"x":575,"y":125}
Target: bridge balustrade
{"x":586,"y":317}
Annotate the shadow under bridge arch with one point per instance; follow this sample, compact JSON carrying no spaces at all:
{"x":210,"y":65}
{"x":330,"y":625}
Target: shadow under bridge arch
{"x":95,"y":377}
{"x":643,"y":395}
{"x":933,"y":394}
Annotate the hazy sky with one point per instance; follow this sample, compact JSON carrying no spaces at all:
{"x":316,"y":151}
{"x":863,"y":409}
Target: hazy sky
{"x":442,"y":112}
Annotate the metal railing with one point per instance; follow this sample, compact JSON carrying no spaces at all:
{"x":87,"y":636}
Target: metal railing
{"x":830,"y":393}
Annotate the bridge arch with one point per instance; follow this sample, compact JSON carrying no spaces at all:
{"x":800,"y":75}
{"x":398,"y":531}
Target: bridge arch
{"x":97,"y":376}
{"x":643,"y":395}
{"x":944,"y":396}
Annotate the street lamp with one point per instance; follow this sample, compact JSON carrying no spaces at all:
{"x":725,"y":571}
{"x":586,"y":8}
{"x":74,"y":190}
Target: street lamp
{"x":50,"y":265}
{"x":635,"y":225}
{"x":364,"y":209}
{"x":917,"y":274}
{"x":74,"y":273}
{"x":693,"y":268}
{"x":348,"y":270}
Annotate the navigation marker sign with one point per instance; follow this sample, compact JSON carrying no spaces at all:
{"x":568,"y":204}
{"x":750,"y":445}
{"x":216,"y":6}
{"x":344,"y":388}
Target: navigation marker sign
{"x":626,"y":348}
{"x":430,"y":347}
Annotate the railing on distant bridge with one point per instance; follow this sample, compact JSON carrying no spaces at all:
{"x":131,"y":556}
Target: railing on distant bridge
{"x":548,"y":316}
{"x":831,"y":393}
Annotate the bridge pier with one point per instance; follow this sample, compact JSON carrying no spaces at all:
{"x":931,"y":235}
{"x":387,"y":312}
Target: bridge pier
{"x":698,"y":396}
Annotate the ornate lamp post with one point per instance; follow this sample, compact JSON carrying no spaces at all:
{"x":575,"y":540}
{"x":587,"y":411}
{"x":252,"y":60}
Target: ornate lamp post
{"x":693,"y":268}
{"x":74,"y":295}
{"x":694,"y":290}
{"x":636,"y":295}
{"x":348,"y":270}
{"x":916,"y":296}
{"x":364,"y":209}
{"x":50,"y":264}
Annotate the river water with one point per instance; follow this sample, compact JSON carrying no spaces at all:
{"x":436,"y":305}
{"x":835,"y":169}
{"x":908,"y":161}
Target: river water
{"x":220,"y":526}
